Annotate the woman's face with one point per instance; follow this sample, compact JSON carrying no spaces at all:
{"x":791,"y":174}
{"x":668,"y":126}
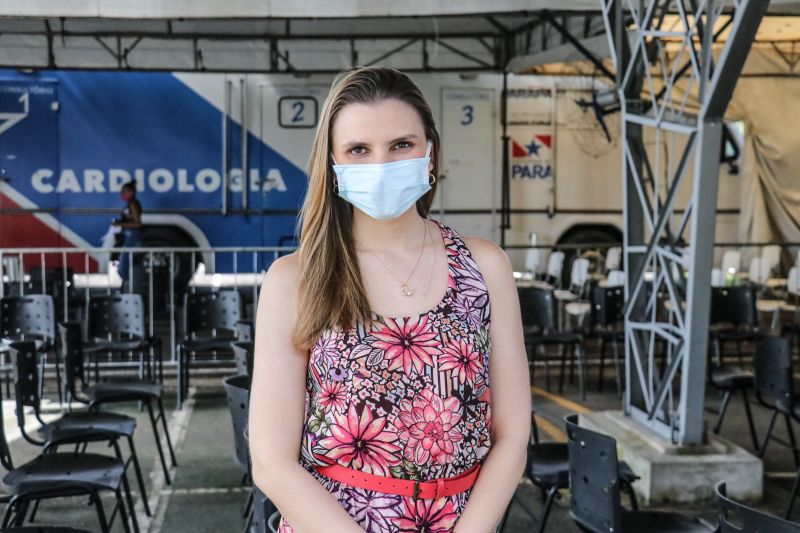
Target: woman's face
{"x":381,"y":132}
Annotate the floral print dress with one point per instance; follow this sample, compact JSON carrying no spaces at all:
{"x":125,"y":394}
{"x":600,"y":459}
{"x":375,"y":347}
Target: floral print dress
{"x":404,"y":397}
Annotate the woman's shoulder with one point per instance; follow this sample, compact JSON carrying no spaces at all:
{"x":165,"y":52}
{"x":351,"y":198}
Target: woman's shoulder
{"x":492,"y":260}
{"x":283,"y":277}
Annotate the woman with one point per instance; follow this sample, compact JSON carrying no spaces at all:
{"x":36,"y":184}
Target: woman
{"x":373,"y":340}
{"x":131,"y":224}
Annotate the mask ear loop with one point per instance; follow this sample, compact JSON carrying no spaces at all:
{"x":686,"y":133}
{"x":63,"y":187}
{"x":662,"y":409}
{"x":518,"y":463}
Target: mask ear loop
{"x":428,"y":154}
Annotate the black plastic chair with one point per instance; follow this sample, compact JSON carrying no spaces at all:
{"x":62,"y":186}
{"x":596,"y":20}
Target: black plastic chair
{"x":737,"y":518}
{"x":115,"y":323}
{"x":733,"y":318}
{"x":245,"y":330}
{"x":243,"y":355}
{"x":540,"y":327}
{"x":547,"y":467}
{"x":78,"y":428}
{"x":56,"y":475}
{"x":237,"y":390}
{"x":595,"y":490}
{"x":31,"y":317}
{"x":775,"y":391}
{"x":608,"y":305}
{"x":209,"y":325}
{"x":111,"y":391}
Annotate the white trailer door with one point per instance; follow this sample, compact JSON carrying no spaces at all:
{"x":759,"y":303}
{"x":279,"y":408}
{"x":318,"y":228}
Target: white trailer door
{"x":468,"y":193}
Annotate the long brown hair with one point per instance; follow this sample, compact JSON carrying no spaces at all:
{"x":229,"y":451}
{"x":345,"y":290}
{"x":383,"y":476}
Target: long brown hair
{"x":331,"y":291}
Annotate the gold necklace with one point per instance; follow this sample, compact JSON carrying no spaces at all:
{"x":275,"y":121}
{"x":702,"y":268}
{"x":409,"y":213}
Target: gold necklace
{"x":405,"y":288}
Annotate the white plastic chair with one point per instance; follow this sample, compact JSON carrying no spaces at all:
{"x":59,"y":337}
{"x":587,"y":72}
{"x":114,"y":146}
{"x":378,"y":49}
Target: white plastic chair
{"x":772,"y":253}
{"x":613,"y":259}
{"x":759,"y":270}
{"x":616,"y":278}
{"x":717,"y":277}
{"x":732,"y":261}
{"x":535,"y":261}
{"x":555,"y":264}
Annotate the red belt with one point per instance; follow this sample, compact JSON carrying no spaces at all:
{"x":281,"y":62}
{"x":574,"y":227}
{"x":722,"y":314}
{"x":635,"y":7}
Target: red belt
{"x":430,"y":489}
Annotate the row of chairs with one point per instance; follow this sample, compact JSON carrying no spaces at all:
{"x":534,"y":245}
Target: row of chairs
{"x":115,"y":324}
{"x":588,"y":465}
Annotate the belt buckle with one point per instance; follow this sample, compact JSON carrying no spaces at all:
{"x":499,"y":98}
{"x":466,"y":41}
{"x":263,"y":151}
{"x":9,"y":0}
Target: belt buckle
{"x":415,"y":496}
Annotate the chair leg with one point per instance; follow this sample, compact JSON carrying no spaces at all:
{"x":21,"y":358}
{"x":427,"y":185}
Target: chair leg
{"x":602,"y":365}
{"x":157,"y":438}
{"x":577,"y":351}
{"x":22,"y":511}
{"x":617,"y":370}
{"x":562,"y":350}
{"x":35,"y":508}
{"x":628,"y":488}
{"x":548,"y":504}
{"x":793,"y":440}
{"x":793,"y":497}
{"x":101,"y":514}
{"x":726,"y":398}
{"x":126,"y":486}
{"x":166,"y":432}
{"x":123,"y":514}
{"x":768,"y":434}
{"x":751,"y":425}
{"x":139,"y":478}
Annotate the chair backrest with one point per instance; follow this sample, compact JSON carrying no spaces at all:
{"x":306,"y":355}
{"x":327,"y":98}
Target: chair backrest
{"x":245,"y":330}
{"x":538,"y":307}
{"x":555,"y":264}
{"x":616,"y":278}
{"x":243,"y":356}
{"x":579,"y":272}
{"x":5,"y":450}
{"x":773,"y":370}
{"x":25,"y":371}
{"x":593,"y":479}
{"x":26,"y":317}
{"x":71,"y":353}
{"x":731,"y":259}
{"x":772,"y":254}
{"x":211,"y":311}
{"x":734,"y":305}
{"x":793,"y":281}
{"x":608,"y":305}
{"x":717,"y":277}
{"x":759,"y":270}
{"x":112,"y":316}
{"x":274,"y":520}
{"x":237,"y":389}
{"x":613,"y":259}
{"x":737,"y":518}
{"x":535,"y":260}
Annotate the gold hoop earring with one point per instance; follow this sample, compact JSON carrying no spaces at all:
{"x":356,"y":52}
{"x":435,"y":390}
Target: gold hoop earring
{"x":431,"y":175}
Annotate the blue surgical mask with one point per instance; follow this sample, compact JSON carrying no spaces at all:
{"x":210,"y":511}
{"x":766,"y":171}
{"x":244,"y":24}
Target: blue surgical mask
{"x":384,"y":190}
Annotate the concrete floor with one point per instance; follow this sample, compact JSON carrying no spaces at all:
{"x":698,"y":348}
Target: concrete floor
{"x":206,"y":494}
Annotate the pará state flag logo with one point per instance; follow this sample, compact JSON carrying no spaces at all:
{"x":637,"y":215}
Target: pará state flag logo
{"x":532,"y":156}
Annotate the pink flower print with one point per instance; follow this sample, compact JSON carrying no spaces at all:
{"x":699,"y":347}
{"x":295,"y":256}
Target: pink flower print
{"x":332,"y":396}
{"x":428,"y":515}
{"x":463,"y":359}
{"x":361,"y":443}
{"x":407,"y":343}
{"x":428,"y":426}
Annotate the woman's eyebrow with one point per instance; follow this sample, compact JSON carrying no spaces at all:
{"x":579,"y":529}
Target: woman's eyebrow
{"x":403,"y":138}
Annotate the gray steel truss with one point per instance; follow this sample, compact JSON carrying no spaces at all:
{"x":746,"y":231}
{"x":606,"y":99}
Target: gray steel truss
{"x":670,"y":85}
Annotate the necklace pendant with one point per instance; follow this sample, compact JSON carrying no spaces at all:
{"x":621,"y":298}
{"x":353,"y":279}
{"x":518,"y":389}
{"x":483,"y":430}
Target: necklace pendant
{"x":406,"y":289}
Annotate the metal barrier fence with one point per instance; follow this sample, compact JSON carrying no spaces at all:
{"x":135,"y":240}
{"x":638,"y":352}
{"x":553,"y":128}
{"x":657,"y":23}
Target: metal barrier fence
{"x":160,"y":275}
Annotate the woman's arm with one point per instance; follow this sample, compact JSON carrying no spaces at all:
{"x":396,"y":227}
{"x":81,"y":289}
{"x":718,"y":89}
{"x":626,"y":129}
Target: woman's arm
{"x":277,"y":410}
{"x":510,"y":396}
{"x":136,"y":217}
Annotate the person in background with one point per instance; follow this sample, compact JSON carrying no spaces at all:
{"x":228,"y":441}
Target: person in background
{"x":131,"y":224}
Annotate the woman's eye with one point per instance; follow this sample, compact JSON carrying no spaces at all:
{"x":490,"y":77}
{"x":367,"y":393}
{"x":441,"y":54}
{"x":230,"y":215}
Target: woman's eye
{"x":352,"y":150}
{"x":406,"y":143}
